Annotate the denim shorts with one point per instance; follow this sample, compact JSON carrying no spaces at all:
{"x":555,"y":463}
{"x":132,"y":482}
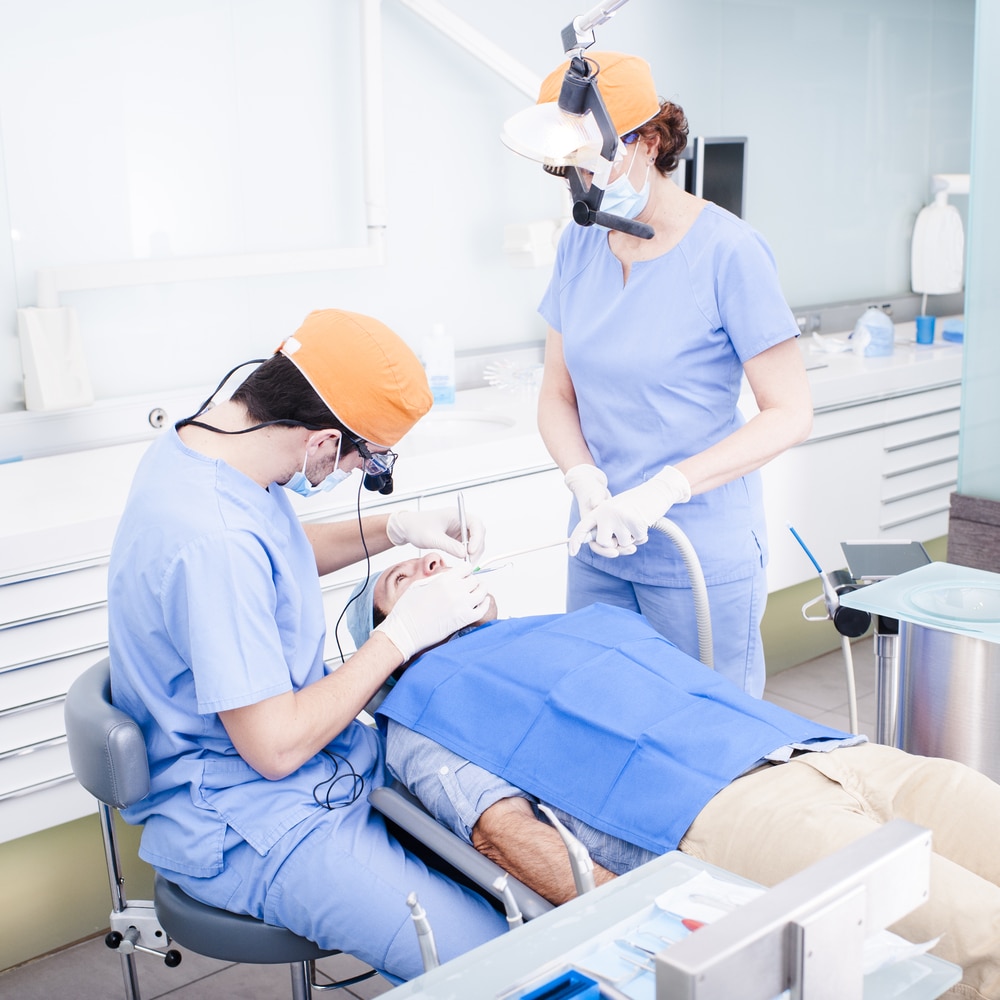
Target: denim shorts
{"x":457,"y":792}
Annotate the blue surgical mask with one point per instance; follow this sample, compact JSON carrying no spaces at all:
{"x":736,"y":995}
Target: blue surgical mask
{"x":299,"y":482}
{"x":621,"y":199}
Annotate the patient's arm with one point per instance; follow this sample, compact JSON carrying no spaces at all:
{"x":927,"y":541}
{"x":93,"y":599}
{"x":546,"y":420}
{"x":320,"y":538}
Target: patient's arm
{"x":532,"y":851}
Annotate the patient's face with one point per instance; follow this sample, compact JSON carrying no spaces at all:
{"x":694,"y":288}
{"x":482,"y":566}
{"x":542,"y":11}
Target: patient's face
{"x":396,"y":580}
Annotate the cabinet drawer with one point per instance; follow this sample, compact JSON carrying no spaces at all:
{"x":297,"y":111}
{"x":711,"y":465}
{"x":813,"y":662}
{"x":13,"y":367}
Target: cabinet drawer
{"x":906,"y":510}
{"x":37,"y":808}
{"x":34,"y":766}
{"x":40,"y":681}
{"x":25,"y":726}
{"x":926,"y":427}
{"x":54,"y":594}
{"x":898,"y":461}
{"x":54,"y":637}
{"x":917,"y":404}
{"x":921,"y":528}
{"x":929,"y":478}
{"x":846,"y":420}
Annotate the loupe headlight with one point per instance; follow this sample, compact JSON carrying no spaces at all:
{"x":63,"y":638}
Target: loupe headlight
{"x":376,"y":468}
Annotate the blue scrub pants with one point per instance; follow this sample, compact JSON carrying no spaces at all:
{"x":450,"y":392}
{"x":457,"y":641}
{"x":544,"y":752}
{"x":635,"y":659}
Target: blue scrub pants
{"x":736,"y":610}
{"x":341,"y":880}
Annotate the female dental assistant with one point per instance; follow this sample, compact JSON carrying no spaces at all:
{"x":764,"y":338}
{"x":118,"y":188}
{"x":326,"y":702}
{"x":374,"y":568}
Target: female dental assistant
{"x":647,"y":346}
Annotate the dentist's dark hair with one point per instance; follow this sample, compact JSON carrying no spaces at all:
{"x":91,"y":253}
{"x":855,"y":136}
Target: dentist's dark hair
{"x":277,"y":391}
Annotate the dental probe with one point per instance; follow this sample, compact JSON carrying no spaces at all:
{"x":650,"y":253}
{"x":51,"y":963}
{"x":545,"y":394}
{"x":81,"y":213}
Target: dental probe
{"x":425,"y":936}
{"x":463,"y":523}
{"x":514,"y":916}
{"x":579,"y":859}
{"x":488,"y":566}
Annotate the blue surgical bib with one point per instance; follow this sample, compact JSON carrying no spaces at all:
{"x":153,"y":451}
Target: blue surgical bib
{"x":596,"y":713}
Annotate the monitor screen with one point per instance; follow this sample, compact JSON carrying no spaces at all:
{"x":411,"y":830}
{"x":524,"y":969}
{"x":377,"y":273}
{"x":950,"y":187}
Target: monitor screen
{"x":715,"y":168}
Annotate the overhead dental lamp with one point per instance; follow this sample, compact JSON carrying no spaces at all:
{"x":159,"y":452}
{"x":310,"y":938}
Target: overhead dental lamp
{"x":574,"y":137}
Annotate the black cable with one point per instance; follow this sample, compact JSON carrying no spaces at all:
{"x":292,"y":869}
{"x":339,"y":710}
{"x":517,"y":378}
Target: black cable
{"x":193,"y":420}
{"x":336,"y":778}
{"x":368,"y":574}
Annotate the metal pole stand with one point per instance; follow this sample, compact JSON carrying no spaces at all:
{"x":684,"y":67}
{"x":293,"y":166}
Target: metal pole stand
{"x":886,"y":679}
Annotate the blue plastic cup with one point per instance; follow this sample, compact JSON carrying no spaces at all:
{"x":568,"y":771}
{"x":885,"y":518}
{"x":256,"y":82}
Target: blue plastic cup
{"x":925,"y":329}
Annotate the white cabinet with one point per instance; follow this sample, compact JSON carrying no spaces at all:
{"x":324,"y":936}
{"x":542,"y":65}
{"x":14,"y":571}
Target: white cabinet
{"x":873,"y":469}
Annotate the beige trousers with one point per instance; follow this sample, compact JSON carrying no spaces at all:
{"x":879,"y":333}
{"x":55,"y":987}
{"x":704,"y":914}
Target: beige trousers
{"x":778,"y":820}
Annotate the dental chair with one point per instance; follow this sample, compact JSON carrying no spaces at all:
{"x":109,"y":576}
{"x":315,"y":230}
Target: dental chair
{"x":108,"y":755}
{"x":408,"y":815}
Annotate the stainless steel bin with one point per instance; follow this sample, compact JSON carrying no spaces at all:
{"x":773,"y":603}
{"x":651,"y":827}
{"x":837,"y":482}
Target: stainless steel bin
{"x":949,"y":696}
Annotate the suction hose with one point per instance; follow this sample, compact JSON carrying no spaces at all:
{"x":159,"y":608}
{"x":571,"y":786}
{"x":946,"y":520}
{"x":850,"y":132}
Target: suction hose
{"x":701,"y":613}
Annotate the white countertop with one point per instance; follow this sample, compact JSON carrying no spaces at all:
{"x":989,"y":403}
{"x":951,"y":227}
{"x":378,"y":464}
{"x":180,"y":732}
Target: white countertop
{"x":843,"y":378}
{"x":63,"y":509}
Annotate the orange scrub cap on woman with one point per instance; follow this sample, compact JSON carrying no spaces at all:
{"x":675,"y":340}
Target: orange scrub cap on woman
{"x":626,"y":86}
{"x":365,"y":373}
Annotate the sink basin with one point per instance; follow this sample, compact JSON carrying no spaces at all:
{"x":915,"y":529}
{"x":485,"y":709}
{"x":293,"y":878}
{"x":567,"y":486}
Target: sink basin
{"x":444,"y":429}
{"x":947,"y":596}
{"x":957,"y":602}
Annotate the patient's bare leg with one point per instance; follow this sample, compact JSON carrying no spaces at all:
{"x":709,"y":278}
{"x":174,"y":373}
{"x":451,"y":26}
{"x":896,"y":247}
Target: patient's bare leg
{"x":509,"y":834}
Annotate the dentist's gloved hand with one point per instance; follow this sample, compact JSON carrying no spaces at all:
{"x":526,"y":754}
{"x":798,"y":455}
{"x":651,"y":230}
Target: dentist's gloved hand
{"x":432,"y":609}
{"x":622,"y":523}
{"x":437,"y":529}
{"x":589,"y":485}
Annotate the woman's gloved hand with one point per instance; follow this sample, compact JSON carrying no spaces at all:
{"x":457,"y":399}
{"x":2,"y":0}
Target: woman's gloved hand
{"x":620,"y":524}
{"x":589,"y":485}
{"x":432,"y":609}
{"x":437,"y":529}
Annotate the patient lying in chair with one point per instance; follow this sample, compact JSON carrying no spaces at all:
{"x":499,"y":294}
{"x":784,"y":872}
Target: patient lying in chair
{"x":639,"y":750}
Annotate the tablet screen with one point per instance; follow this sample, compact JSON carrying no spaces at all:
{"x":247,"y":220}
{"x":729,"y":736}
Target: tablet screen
{"x":878,"y":560}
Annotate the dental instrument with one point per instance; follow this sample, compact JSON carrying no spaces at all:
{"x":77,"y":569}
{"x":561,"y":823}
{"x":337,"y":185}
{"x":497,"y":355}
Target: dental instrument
{"x":425,"y":936}
{"x":845,"y":620}
{"x":579,"y":858}
{"x":514,"y":916}
{"x":463,"y":523}
{"x":493,"y":564}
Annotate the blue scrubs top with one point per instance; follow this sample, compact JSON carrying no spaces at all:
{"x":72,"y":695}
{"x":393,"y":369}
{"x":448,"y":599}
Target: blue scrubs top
{"x":214,"y":603}
{"x":657,"y":365}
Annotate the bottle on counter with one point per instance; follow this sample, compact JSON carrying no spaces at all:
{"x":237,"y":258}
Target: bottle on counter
{"x":439,"y":363}
{"x":874,"y":334}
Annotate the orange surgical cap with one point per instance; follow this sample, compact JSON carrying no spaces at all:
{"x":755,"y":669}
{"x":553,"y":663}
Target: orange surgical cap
{"x":626,"y":86}
{"x":365,"y":373}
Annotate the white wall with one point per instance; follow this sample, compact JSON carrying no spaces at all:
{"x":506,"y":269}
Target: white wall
{"x":131,"y":130}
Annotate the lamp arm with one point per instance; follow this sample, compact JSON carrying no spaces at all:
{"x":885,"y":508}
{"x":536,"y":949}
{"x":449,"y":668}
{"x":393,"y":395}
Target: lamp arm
{"x":579,"y":33}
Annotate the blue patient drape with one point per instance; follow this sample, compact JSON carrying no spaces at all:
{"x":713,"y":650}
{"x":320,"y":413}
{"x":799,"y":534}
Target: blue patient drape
{"x":596,"y":713}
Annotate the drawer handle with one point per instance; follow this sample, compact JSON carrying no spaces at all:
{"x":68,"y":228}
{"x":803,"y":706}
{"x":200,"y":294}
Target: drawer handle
{"x":923,"y":465}
{"x":943,"y":436}
{"x":63,"y":654}
{"x":915,"y":517}
{"x":33,"y":748}
{"x":17,"y":793}
{"x":30,"y":706}
{"x":933,"y":488}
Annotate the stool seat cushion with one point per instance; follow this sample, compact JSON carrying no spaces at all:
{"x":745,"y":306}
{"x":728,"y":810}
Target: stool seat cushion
{"x":229,"y":937}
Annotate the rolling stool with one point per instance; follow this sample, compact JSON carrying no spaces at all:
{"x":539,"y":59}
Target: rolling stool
{"x":108,"y":755}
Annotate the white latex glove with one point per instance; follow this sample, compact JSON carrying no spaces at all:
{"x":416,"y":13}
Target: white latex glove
{"x":589,"y":485}
{"x":622,"y":523}
{"x":432,"y":609}
{"x":437,"y":529}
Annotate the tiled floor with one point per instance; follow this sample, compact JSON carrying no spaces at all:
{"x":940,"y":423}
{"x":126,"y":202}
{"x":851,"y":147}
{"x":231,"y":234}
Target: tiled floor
{"x":88,"y":971}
